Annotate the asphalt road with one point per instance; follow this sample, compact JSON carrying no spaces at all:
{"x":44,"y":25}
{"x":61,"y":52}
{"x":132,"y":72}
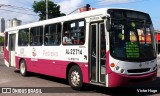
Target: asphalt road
{"x":11,"y":78}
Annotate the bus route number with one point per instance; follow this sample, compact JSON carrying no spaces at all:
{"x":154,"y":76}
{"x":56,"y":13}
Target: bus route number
{"x":74,"y":51}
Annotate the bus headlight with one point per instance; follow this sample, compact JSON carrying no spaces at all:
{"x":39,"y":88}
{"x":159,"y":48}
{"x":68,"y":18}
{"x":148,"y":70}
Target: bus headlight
{"x":119,"y":70}
{"x":122,"y":70}
{"x":117,"y":67}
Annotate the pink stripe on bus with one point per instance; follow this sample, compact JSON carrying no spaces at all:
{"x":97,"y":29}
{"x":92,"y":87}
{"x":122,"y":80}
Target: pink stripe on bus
{"x":55,"y":68}
{"x":108,"y":70}
{"x":6,"y":54}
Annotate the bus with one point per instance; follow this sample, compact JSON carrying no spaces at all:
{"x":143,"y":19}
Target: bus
{"x":157,"y":36}
{"x":108,"y":47}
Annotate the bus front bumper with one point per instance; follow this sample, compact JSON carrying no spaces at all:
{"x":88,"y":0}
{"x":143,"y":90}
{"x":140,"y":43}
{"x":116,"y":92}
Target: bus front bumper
{"x":119,"y":80}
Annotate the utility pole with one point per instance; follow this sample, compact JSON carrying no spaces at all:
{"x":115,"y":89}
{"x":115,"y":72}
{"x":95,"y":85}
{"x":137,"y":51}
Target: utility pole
{"x":46,"y":9}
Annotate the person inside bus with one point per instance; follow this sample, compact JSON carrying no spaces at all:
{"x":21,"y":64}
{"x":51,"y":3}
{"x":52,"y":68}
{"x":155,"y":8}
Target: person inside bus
{"x":67,"y":39}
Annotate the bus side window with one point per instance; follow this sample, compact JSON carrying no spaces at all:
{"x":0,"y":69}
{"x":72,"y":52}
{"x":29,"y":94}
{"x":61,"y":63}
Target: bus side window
{"x":52,"y":34}
{"x":74,"y":32}
{"x":23,"y":37}
{"x":36,"y":36}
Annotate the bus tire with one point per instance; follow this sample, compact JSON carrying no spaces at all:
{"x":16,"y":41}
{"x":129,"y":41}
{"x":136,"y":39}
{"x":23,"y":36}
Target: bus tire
{"x":23,"y":68}
{"x":75,"y":78}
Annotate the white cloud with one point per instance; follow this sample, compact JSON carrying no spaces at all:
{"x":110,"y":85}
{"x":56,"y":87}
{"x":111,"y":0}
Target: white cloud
{"x":109,"y":2}
{"x":68,"y":6}
{"x":19,"y":3}
{"x":156,"y":23}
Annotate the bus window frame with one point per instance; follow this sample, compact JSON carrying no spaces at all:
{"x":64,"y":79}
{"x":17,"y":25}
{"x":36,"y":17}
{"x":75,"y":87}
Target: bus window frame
{"x":81,"y":19}
{"x":44,"y":31}
{"x":34,"y":36}
{"x":28,"y":36}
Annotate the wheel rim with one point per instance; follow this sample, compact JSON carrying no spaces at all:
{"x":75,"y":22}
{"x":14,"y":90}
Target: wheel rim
{"x":75,"y":78}
{"x":22,"y":68}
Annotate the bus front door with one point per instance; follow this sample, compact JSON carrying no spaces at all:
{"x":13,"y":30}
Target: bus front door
{"x":97,"y":53}
{"x":12,"y":39}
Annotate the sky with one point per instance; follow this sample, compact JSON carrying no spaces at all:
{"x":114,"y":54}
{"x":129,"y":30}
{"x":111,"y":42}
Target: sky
{"x":27,"y":15}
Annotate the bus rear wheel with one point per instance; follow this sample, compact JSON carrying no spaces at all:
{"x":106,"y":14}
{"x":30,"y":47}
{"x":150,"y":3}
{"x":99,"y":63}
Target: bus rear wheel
{"x":75,"y":78}
{"x":23,"y":68}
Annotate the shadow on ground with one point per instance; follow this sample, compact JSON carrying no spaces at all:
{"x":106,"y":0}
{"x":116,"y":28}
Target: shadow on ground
{"x":149,"y":88}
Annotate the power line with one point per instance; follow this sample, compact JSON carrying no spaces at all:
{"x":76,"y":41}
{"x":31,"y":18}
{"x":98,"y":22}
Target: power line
{"x":18,"y":12}
{"x":80,"y":6}
{"x":135,"y":1}
{"x":87,"y":8}
{"x":16,"y":7}
{"x":73,"y":11}
{"x":108,"y":4}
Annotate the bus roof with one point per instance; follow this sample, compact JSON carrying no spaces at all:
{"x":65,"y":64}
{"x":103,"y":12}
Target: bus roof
{"x":96,"y":12}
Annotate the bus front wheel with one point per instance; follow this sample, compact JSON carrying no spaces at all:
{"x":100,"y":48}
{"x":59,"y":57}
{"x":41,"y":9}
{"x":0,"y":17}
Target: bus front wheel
{"x":23,"y":68}
{"x":75,"y":78}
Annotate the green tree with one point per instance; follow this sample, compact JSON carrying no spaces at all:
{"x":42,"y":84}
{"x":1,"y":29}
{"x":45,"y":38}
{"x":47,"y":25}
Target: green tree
{"x":53,"y":9}
{"x":1,"y":41}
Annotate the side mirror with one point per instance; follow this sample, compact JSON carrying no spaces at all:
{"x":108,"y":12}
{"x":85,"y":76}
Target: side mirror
{"x":108,"y":24}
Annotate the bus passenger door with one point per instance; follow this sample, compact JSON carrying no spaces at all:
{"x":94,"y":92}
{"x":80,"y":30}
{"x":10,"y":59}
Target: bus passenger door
{"x":97,"y":53}
{"x":12,"y":39}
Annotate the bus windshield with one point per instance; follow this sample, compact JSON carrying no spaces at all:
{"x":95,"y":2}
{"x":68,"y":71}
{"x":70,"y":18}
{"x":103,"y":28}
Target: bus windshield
{"x":132,"y":38}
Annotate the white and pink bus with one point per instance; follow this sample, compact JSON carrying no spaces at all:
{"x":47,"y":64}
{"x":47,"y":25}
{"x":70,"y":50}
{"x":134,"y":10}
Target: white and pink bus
{"x":108,"y":47}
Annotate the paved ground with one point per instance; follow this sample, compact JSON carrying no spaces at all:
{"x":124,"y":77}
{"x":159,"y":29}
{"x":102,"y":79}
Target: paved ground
{"x":9,"y":77}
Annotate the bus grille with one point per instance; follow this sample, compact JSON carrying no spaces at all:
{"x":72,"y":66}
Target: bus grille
{"x":138,"y":70}
{"x":140,"y":80}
